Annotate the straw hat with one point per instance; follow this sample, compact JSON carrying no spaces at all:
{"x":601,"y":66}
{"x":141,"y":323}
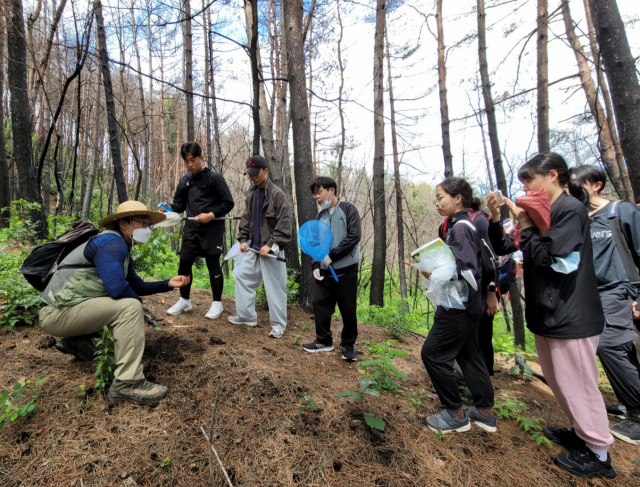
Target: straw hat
{"x":131,"y":208}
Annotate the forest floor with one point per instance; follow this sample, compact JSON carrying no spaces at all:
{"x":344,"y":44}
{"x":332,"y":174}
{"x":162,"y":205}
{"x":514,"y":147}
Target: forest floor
{"x":259,"y":433}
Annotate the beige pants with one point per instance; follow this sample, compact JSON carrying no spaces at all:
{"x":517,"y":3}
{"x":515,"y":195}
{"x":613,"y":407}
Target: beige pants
{"x":125,"y":318}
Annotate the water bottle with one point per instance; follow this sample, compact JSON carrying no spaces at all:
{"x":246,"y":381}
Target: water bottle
{"x":165,"y":207}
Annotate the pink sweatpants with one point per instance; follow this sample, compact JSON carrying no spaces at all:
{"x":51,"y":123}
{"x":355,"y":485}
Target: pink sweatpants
{"x":571,"y":370}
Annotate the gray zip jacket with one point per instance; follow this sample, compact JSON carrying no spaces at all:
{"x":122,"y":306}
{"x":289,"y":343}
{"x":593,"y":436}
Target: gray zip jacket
{"x":345,"y":226}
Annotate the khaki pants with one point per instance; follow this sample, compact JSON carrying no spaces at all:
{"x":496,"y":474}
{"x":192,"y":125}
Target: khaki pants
{"x":125,"y":318}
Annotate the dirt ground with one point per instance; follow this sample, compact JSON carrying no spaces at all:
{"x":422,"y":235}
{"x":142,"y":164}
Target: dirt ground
{"x":259,"y":434}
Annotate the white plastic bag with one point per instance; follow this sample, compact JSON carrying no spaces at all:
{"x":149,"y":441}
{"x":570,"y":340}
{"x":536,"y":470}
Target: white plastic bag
{"x":443,"y":287}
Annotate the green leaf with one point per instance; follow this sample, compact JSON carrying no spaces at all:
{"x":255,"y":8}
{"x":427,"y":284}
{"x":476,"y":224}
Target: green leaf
{"x":374,"y":421}
{"x":349,"y":393}
{"x":372,"y":392}
{"x":365,"y":383}
{"x":514,"y":369}
{"x":312,"y":404}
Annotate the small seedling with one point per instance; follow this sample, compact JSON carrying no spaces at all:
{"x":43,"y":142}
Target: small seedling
{"x":165,"y":463}
{"x":304,"y":327}
{"x":440,"y":435}
{"x":306,"y":402}
{"x":104,"y":356}
{"x":366,"y":388}
{"x":295,"y":339}
{"x":85,"y":401}
{"x":512,"y":409}
{"x":19,"y":402}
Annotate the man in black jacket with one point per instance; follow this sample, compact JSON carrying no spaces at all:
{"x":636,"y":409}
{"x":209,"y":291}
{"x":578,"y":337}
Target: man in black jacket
{"x":344,"y":257}
{"x":205,"y":196}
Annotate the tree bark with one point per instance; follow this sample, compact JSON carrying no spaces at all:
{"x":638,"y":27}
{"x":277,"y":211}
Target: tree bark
{"x":442,"y":89}
{"x":114,"y":127}
{"x":376,"y":291}
{"x":606,"y":96}
{"x":188,"y":68}
{"x":292,"y":16}
{"x":5,"y":187}
{"x":340,"y":110}
{"x":251,"y":11}
{"x":623,"y":81}
{"x":490,"y":110}
{"x":95,"y":160}
{"x":398,"y":188}
{"x":543,"y":77}
{"x":518,"y":313}
{"x":604,"y":137}
{"x":29,"y":188}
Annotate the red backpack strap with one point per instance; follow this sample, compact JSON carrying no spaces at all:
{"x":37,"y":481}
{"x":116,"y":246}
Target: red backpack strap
{"x":442,"y":231}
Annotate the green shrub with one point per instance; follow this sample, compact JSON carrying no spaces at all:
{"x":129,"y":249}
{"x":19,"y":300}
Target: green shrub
{"x":19,"y":402}
{"x":105,"y":366}
{"x":19,"y":301}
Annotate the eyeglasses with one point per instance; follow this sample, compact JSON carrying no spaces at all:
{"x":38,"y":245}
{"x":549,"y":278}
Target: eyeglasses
{"x":143,"y":224}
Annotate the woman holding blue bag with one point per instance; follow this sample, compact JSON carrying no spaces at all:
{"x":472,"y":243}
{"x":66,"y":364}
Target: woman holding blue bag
{"x":563,"y":310}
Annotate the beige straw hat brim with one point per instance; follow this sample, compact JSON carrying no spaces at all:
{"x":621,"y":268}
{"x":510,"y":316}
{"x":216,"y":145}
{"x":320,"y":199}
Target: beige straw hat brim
{"x":131,"y":208}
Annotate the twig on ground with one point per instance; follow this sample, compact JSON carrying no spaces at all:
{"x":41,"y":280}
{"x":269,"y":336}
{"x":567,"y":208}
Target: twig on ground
{"x":224,"y":470}
{"x":234,"y":359}
{"x":325,"y":478}
{"x":417,"y":335}
{"x":213,"y":415}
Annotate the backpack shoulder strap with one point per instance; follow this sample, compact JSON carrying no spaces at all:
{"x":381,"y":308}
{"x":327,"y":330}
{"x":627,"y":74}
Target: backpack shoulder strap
{"x":468,"y":224}
{"x":622,"y":244}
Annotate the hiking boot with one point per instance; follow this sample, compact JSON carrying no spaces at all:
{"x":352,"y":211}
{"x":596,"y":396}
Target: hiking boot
{"x":237,"y":321}
{"x":182,"y":306}
{"x":585,"y":463}
{"x":487,"y":423}
{"x":215,"y":310}
{"x":142,"y":392}
{"x":446,"y":422}
{"x":565,"y":437}
{"x":627,"y":430}
{"x":617,"y":411}
{"x":81,"y":347}
{"x":315,"y":346}
{"x":275,"y":333}
{"x":349,"y":353}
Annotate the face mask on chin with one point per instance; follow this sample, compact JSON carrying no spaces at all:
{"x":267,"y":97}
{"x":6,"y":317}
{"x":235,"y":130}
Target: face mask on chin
{"x":141,"y":235}
{"x":325,"y":204}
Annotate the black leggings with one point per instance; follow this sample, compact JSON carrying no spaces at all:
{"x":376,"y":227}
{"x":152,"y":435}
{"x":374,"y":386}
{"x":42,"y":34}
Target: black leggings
{"x":215,"y":274}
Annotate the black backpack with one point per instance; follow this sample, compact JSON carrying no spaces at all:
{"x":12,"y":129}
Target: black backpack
{"x":487,"y":256}
{"x":44,"y":259}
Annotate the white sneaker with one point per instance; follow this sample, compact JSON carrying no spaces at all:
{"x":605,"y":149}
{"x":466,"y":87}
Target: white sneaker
{"x":237,"y":321}
{"x":182,"y":306}
{"x":214,"y":311}
{"x":276,"y":333}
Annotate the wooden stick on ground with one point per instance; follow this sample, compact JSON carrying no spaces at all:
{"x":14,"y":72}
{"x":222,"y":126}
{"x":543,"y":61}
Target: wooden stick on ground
{"x":213,"y":415}
{"x":224,"y":470}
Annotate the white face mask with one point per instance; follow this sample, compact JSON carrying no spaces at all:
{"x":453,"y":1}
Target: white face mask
{"x":325,"y":204}
{"x":141,"y":235}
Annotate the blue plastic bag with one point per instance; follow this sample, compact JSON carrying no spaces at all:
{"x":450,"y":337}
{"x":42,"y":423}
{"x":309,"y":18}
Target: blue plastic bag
{"x":314,"y":239}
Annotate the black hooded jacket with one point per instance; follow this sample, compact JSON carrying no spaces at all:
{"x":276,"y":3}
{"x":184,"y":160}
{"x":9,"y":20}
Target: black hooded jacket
{"x":204,"y":192}
{"x":557,"y":305}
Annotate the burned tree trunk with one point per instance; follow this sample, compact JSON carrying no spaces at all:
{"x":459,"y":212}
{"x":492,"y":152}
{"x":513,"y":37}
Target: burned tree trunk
{"x":543,"y":77}
{"x":114,"y":127}
{"x":303,"y":168}
{"x":376,"y":292}
{"x":623,"y":81}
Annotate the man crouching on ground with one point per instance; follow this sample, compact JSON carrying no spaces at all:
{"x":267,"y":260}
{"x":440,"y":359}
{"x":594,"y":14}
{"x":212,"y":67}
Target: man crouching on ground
{"x":264,"y":228}
{"x":100,"y":288}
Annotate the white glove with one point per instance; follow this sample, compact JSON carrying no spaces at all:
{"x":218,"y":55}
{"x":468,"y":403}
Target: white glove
{"x":316,"y":274}
{"x":326,"y":261}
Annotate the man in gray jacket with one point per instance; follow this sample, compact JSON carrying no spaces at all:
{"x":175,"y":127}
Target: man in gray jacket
{"x":264,"y":229}
{"x":344,"y":257}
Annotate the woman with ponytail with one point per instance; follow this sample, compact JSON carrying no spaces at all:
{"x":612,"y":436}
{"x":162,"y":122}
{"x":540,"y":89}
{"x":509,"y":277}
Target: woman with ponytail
{"x":454,"y":334}
{"x":563,"y":310}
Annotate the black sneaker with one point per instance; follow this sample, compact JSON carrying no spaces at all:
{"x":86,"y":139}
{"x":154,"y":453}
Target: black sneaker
{"x":565,"y":437}
{"x":617,"y":411}
{"x":315,"y":347}
{"x":349,"y":353}
{"x":585,"y":463}
{"x":142,"y":392}
{"x":627,"y":430}
{"x":487,"y":423}
{"x":81,"y":347}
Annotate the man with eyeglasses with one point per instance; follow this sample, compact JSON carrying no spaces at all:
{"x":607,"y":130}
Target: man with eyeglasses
{"x":96,"y":286}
